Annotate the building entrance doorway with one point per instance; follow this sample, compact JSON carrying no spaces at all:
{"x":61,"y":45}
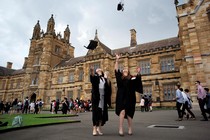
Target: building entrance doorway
{"x":33,"y":97}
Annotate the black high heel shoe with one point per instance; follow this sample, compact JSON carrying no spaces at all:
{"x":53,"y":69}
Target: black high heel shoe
{"x":130,"y":133}
{"x":121,"y":134}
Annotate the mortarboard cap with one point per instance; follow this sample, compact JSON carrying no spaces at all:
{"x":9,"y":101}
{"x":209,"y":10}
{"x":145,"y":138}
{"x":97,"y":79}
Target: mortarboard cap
{"x":93,"y":44}
{"x":120,"y":6}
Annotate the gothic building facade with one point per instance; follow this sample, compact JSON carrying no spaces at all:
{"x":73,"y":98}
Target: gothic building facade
{"x":52,"y":72}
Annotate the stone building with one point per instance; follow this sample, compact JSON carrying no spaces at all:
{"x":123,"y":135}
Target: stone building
{"x":52,"y":72}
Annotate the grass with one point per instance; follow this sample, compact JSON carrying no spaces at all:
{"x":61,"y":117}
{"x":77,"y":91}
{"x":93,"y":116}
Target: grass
{"x":32,"y":120}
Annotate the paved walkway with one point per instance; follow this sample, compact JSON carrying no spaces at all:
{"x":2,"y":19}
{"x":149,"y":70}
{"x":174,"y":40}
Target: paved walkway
{"x":193,"y":129}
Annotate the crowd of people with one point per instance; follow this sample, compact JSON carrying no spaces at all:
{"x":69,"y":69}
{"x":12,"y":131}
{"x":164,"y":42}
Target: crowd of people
{"x":70,"y":106}
{"x":17,"y":106}
{"x":146,"y":103}
{"x":184,"y":102}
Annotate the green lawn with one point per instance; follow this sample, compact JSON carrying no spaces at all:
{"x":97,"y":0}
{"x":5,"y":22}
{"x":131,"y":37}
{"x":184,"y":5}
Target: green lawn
{"x":30,"y":120}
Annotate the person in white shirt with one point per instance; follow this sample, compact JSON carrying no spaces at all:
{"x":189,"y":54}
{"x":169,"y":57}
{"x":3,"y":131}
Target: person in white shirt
{"x":186,"y":104}
{"x":32,"y":105}
{"x":179,"y":102}
{"x":142,"y":104}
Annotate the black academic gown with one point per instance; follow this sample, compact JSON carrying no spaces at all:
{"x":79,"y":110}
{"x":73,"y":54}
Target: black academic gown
{"x":95,"y":101}
{"x":108,"y":89}
{"x":126,"y":97}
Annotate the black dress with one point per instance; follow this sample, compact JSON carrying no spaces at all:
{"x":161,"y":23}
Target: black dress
{"x":97,"y":113}
{"x":108,"y":89}
{"x":126,"y":97}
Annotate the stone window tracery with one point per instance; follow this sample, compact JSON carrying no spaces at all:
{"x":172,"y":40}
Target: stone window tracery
{"x":81,"y":75}
{"x":11,"y":84}
{"x":18,"y":83}
{"x":60,"y":78}
{"x":57,"y":50}
{"x":70,"y":94}
{"x":147,"y":90}
{"x":37,"y":60}
{"x":145,"y":66}
{"x":34,"y":81}
{"x":169,"y":91}
{"x":167,"y":64}
{"x":58,"y":95}
{"x":71,"y":77}
{"x":3,"y":84}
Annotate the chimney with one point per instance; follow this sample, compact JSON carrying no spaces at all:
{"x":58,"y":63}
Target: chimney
{"x":133,"y":41}
{"x":9,"y":65}
{"x":25,"y":63}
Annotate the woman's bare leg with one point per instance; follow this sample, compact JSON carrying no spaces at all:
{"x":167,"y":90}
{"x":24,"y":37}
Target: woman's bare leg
{"x":130,"y":131}
{"x":94,"y":131}
{"x":122,"y":115}
{"x":99,"y":129}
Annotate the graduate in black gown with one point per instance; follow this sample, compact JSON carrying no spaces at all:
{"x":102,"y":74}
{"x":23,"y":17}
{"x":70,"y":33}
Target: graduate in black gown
{"x":99,"y":100}
{"x":127,"y":85}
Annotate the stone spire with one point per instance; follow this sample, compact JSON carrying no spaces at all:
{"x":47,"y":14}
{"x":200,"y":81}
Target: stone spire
{"x":36,"y":32}
{"x":96,"y":35}
{"x":51,"y":25}
{"x":67,"y":34}
{"x":133,"y":41}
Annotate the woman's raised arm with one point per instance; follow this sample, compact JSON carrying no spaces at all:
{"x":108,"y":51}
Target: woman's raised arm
{"x":116,"y":62}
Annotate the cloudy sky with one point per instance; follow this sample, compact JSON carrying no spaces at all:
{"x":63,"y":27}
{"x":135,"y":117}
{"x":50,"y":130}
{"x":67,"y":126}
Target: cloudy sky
{"x":152,"y":19}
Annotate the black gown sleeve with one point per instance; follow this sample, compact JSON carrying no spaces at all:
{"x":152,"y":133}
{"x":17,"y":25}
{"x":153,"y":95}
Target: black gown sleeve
{"x":94,"y":79}
{"x":138,"y":84}
{"x":118,"y":76}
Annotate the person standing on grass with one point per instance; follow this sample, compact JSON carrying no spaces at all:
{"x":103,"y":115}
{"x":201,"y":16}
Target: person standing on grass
{"x":25,"y":105}
{"x":36,"y":107}
{"x":127,"y":85}
{"x":56,"y":106}
{"x":40,"y":105}
{"x":32,"y":107}
{"x":14,"y":106}
{"x":65,"y":105}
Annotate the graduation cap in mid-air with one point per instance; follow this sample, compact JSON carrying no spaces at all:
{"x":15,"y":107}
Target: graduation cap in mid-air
{"x":93,"y":44}
{"x":120,"y":6}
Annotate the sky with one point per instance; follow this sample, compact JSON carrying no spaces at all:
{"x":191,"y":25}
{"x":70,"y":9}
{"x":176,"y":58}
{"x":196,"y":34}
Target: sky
{"x":152,"y":19}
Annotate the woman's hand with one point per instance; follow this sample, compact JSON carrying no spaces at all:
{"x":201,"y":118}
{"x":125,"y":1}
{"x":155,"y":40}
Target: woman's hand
{"x":138,"y":70}
{"x":91,"y":70}
{"x":117,"y":56}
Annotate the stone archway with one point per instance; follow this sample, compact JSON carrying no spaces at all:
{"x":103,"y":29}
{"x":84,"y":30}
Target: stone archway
{"x":33,"y":97}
